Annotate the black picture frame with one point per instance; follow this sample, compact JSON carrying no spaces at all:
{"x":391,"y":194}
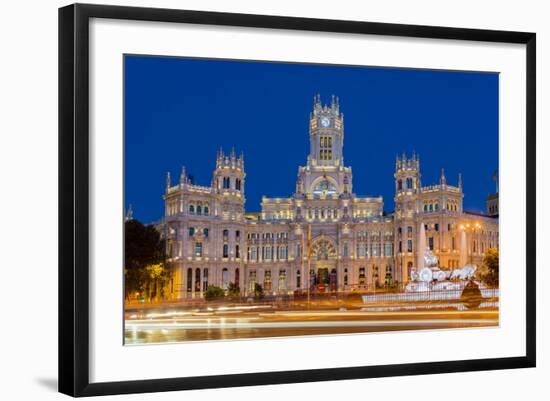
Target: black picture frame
{"x":74,"y":198}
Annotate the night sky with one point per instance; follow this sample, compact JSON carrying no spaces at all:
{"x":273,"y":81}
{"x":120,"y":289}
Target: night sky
{"x":179,"y":111}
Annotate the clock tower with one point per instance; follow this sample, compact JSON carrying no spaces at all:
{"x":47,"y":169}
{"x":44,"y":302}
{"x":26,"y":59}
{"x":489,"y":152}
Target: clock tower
{"x":325,"y":173}
{"x":326,"y":134}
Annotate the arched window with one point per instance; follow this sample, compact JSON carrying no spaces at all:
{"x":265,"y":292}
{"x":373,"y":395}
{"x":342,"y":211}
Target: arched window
{"x":205,"y":232}
{"x":191,"y":231}
{"x":226,"y":182}
{"x":206,"y":211}
{"x":225,"y":234}
{"x":409,"y":183}
{"x":191,"y":209}
{"x":197,"y":280}
{"x":225,"y":250}
{"x":238,"y":184}
{"x":199,"y":209}
{"x":324,"y":187}
{"x":189,"y":280}
{"x":205,"y":280}
{"x":225,"y":278}
{"x":399,"y":185}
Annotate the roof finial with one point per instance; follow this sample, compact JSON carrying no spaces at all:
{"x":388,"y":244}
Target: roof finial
{"x":183,"y":175}
{"x":129,"y":214}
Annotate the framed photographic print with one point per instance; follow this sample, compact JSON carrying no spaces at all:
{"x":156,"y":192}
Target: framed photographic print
{"x":277,"y":199}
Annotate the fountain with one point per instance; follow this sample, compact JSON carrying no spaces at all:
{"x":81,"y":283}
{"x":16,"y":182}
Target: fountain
{"x":429,"y":277}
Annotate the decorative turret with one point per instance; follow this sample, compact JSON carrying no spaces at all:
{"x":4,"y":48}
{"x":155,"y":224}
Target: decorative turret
{"x":407,"y":185}
{"x":442,"y":179}
{"x":229,"y":173}
{"x":407,"y":175}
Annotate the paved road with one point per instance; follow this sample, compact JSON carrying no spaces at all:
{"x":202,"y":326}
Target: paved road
{"x":162,"y":326}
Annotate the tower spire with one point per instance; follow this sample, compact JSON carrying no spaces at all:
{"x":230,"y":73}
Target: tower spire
{"x":442,"y":178}
{"x":167,"y":181}
{"x":460,"y":181}
{"x":183,"y":175}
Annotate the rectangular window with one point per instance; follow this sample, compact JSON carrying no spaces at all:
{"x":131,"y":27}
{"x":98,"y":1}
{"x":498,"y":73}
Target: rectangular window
{"x":431,"y":243}
{"x":436,"y":227}
{"x":362,"y":277}
{"x":388,"y":249}
{"x":409,"y":245}
{"x":282,"y":280}
{"x":198,"y":249}
{"x":237,"y":252}
{"x":325,"y":146}
{"x":254,"y":253}
{"x":252,"y":280}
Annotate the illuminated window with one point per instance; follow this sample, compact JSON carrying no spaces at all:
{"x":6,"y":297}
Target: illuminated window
{"x":205,"y":280}
{"x":325,"y":148}
{"x":252,"y":280}
{"x":198,"y":249}
{"x":267,"y":281}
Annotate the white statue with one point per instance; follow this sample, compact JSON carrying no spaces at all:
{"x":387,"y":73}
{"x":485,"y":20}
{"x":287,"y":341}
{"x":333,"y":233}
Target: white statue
{"x":465,"y":273}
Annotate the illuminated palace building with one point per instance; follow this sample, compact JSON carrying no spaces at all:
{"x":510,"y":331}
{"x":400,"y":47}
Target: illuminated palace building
{"x":353,"y":244}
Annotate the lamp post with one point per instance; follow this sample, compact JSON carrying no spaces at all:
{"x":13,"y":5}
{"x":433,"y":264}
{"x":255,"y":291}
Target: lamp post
{"x":472,"y":230}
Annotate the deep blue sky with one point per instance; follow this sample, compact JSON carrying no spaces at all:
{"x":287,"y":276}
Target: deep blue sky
{"x":179,"y":111}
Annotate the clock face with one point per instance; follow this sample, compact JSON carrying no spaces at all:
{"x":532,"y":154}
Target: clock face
{"x":325,"y":122}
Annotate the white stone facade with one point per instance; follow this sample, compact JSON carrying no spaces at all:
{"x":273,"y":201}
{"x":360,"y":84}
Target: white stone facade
{"x":353,"y":245}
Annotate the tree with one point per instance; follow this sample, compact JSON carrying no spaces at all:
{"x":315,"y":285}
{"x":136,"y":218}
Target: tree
{"x":214,"y":292}
{"x":233,"y":291}
{"x":143,"y":247}
{"x":258,"y":291}
{"x":490,"y":263}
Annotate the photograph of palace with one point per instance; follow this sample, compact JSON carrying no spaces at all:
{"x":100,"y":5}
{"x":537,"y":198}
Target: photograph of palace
{"x":323,"y":259}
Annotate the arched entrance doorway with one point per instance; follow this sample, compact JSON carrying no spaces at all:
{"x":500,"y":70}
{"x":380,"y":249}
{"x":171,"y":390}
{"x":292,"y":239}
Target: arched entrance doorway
{"x":323,"y":273}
